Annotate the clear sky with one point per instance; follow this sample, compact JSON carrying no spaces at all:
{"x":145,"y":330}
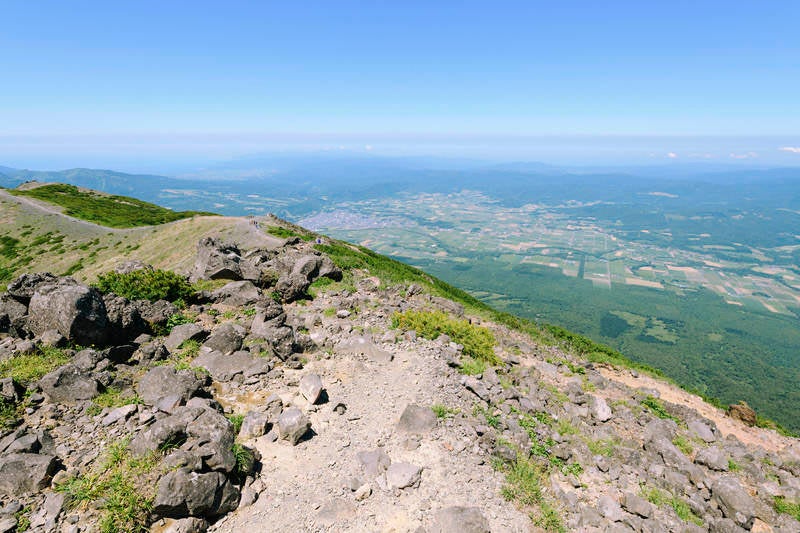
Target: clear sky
{"x":591,"y":80}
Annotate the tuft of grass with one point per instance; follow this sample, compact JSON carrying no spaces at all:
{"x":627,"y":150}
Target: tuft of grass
{"x":107,"y":210}
{"x":733,"y":466}
{"x":286,"y":233}
{"x":27,"y":368}
{"x":491,"y":420}
{"x":244,"y":460}
{"x":121,"y":486}
{"x":319,"y":286}
{"x":478,"y":342}
{"x":784,"y":506}
{"x":524,"y":482}
{"x":659,"y":497}
{"x":471,"y":366}
{"x":112,"y":397}
{"x":10,"y":414}
{"x":236,"y":420}
{"x":655,"y":406}
{"x":683,"y":444}
{"x":442,"y":411}
{"x":604,"y":447}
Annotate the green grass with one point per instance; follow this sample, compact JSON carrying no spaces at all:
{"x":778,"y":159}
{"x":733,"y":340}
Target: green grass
{"x":107,"y":210}
{"x":27,"y":368}
{"x":146,"y":284}
{"x":525,"y":480}
{"x":784,"y":506}
{"x":113,"y":397}
{"x":733,"y":466}
{"x":10,"y":415}
{"x":121,"y":486}
{"x":236,"y":420}
{"x":471,"y":366}
{"x":478,"y":342}
{"x":655,"y":406}
{"x":442,"y":411}
{"x":604,"y":447}
{"x":683,"y":444}
{"x":659,"y":497}
{"x":286,"y":233}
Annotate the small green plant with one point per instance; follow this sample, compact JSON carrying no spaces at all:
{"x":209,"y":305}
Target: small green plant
{"x":491,"y":419}
{"x":784,"y":506}
{"x":236,"y":420}
{"x":177,"y":319}
{"x":524,"y":482}
{"x":244,"y":460}
{"x":10,"y":414}
{"x":683,"y":444}
{"x":23,"y":517}
{"x":733,"y":466}
{"x":146,"y":284}
{"x":654,"y":495}
{"x":329,"y":312}
{"x":471,"y":366}
{"x":249,"y":312}
{"x":112,"y":397}
{"x":319,"y":286}
{"x":685,"y":512}
{"x":478,"y":342}
{"x":564,"y":427}
{"x":655,"y":406}
{"x":121,"y":486}
{"x":604,"y":447}
{"x":442,"y":411}
{"x":229,"y":315}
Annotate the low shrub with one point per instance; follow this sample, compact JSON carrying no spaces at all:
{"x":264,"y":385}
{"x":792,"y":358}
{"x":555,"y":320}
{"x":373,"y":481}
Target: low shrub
{"x":146,"y":284}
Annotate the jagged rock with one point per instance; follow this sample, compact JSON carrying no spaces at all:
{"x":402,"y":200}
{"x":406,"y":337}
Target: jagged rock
{"x":124,"y":317}
{"x":157,"y":313}
{"x":74,"y":310}
{"x":475,"y":385}
{"x":600,"y":409}
{"x":204,"y":432}
{"x":12,"y":313}
{"x":186,"y":525}
{"x":25,"y":444}
{"x":217,"y":260}
{"x":22,"y":473}
{"x":163,"y":381}
{"x":8,"y":524}
{"x":254,"y":425}
{"x":316,"y":266}
{"x":183,"y":493}
{"x":364,"y":346}
{"x":181,"y":334}
{"x":713,"y":457}
{"x":373,"y":462}
{"x":417,"y":419}
{"x":68,"y":384}
{"x":701,"y":430}
{"x":460,"y":520}
{"x":292,"y":425}
{"x":224,"y":367}
{"x":311,"y":387}
{"x":734,"y":500}
{"x":10,"y":390}
{"x":743,"y":412}
{"x":609,"y":508}
{"x":291,"y":287}
{"x":120,"y":413}
{"x":237,"y":293}
{"x":402,"y":475}
{"x":23,"y":288}
{"x":637,"y":505}
{"x":226,"y":338}
{"x":449,"y":306}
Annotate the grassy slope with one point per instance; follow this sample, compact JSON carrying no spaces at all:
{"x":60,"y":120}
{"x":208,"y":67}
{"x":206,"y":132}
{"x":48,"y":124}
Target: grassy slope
{"x":107,"y":210}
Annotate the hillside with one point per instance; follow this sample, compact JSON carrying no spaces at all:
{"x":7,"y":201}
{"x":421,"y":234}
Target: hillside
{"x":305,"y":384}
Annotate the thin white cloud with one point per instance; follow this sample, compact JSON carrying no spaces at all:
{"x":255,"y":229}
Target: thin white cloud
{"x":368,"y":147}
{"x":790,"y":149}
{"x":748,"y":155}
{"x":672,"y":155}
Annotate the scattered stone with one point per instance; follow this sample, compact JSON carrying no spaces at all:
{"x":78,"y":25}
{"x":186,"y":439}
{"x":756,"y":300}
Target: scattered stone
{"x":164,"y":381}
{"x":237,"y":294}
{"x":367,"y":348}
{"x":183,"y":493}
{"x":182,"y":333}
{"x":713,"y":457}
{"x":417,"y":419}
{"x":600,"y":409}
{"x":609,"y":508}
{"x":311,"y":387}
{"x":224,"y":367}
{"x":186,"y":525}
{"x":701,"y":430}
{"x":374,"y":462}
{"x":402,"y":475}
{"x":637,"y":505}
{"x":226,"y":338}
{"x":293,"y":425}
{"x":254,"y":425}
{"x":363,"y":492}
{"x":734,"y":500}
{"x":460,"y":520}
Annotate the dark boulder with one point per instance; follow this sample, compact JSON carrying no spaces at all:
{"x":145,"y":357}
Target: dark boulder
{"x":74,"y":310}
{"x":23,"y":287}
{"x":124,"y":317}
{"x":291,"y":287}
{"x":183,"y":493}
{"x":217,"y":260}
{"x":163,"y":381}
{"x":237,"y":294}
{"x":12,"y":314}
{"x":69,"y":384}
{"x":23,"y":473}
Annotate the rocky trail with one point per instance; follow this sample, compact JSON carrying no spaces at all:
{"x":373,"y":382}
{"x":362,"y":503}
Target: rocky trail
{"x":283,"y":399}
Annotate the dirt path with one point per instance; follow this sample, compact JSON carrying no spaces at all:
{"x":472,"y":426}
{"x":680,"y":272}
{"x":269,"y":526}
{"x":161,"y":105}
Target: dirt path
{"x":751,"y":436}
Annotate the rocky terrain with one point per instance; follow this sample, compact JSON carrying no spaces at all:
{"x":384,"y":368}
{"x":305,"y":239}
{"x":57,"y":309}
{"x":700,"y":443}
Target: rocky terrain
{"x":293,"y":393}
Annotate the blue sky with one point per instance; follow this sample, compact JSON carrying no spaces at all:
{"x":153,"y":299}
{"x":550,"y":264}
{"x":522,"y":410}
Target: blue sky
{"x":585,"y":81}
